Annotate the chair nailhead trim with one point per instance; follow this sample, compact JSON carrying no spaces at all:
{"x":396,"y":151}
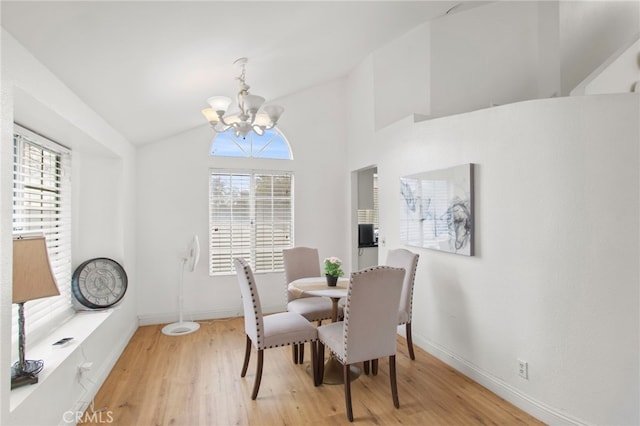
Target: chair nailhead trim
{"x":346,"y":311}
{"x":259,"y":343}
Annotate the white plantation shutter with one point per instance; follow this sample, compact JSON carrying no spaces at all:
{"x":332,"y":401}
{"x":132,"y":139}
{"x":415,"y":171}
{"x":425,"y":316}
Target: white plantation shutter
{"x":273,"y":220}
{"x":42,"y":204}
{"x":250,"y":216}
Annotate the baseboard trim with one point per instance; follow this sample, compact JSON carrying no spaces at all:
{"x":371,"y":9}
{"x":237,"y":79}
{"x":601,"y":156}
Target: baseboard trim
{"x":167,"y":318}
{"x":532,"y":406}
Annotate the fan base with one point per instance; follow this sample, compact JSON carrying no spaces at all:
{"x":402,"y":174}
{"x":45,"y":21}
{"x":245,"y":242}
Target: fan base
{"x":180,"y":328}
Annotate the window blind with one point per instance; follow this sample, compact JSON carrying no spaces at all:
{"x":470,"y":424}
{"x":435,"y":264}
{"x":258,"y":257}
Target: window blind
{"x":369,"y":215}
{"x":250,"y":216}
{"x":42,"y":204}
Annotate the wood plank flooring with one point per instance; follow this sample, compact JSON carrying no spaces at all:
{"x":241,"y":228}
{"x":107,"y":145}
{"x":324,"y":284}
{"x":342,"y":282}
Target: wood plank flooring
{"x":195,"y":380}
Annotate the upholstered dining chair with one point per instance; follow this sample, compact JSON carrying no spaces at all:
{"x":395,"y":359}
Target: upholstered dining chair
{"x":304,"y":262}
{"x":403,"y":258}
{"x":369,"y":328}
{"x":269,"y":331}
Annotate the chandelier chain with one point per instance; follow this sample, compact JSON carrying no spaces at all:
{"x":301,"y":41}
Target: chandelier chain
{"x":242,"y":75}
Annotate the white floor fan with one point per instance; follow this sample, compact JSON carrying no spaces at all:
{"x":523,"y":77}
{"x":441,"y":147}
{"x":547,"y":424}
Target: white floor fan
{"x":185,"y":327}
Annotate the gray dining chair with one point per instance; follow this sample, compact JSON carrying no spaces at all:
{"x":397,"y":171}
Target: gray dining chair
{"x":304,"y":262}
{"x":369,"y":328}
{"x":269,"y":331}
{"x":403,"y":258}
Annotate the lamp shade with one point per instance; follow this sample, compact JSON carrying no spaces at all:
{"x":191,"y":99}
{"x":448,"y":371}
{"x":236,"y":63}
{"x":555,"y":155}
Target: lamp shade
{"x":262,"y":119}
{"x":32,"y":275}
{"x":219,"y":103}
{"x":210,"y":115}
{"x":252,"y":103}
{"x":274,"y":112}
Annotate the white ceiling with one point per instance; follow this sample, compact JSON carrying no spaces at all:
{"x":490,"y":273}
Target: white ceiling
{"x":147,"y":67}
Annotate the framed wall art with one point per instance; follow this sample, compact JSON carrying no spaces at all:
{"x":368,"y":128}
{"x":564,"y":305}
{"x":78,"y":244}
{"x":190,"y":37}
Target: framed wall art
{"x":437,"y":209}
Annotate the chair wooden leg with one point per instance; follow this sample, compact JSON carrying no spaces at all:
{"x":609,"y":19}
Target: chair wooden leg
{"x":366,"y":367}
{"x":256,"y":383}
{"x":247,"y":355}
{"x":294,"y":352}
{"x":394,"y":382}
{"x":320,"y":363}
{"x":347,"y":390}
{"x":374,"y":367}
{"x":409,"y":341}
{"x":314,"y":361}
{"x":301,"y":353}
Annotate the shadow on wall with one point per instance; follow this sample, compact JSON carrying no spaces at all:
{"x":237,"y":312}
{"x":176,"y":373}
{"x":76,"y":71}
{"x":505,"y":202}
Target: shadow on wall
{"x":636,"y":85}
{"x":450,"y":301}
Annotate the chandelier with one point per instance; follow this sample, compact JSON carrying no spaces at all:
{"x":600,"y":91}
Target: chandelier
{"x":253,"y":115}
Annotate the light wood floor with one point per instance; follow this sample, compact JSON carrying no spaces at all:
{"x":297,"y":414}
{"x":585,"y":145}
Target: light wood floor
{"x":195,"y":380}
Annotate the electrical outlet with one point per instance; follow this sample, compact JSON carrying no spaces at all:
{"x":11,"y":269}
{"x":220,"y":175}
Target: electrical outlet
{"x":523,"y":369}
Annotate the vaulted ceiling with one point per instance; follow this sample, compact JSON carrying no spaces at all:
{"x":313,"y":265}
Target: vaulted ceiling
{"x":147,"y":67}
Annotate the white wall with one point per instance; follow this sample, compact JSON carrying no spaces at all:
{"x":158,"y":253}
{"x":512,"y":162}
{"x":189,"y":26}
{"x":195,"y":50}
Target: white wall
{"x":473,"y":64}
{"x":102,"y":203}
{"x":591,"y":32}
{"x":620,"y":73}
{"x":398,"y":94}
{"x":506,"y":52}
{"x":550,"y":283}
{"x":6,"y":247}
{"x":172,"y":182}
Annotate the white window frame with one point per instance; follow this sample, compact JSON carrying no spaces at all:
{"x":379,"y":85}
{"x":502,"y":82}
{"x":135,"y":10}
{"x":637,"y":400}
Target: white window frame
{"x":33,"y":213}
{"x":251,"y":145}
{"x":242,"y":240}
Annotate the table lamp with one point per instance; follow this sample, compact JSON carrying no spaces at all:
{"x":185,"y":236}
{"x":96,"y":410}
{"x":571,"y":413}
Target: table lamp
{"x":32,"y":279}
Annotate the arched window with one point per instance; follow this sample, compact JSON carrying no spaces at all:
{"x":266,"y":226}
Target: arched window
{"x":271,"y":144}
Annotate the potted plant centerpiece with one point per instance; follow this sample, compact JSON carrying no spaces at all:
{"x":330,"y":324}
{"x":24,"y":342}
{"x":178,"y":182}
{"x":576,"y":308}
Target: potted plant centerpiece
{"x":332,"y":270}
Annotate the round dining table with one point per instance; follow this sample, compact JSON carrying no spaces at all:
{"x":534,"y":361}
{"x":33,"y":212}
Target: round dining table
{"x":317,"y":286}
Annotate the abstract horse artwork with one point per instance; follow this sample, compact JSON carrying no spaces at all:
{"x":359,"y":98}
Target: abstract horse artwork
{"x":437,"y":209}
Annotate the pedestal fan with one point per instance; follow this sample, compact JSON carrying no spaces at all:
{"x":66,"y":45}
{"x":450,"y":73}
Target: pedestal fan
{"x":190,"y":261}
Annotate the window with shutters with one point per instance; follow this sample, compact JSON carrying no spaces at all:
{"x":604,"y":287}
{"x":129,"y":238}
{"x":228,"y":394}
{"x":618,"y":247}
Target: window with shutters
{"x":42,"y":204}
{"x":250,"y":216}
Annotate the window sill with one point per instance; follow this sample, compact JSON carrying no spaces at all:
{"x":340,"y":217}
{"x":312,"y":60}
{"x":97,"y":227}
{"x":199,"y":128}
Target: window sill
{"x":80,"y":326}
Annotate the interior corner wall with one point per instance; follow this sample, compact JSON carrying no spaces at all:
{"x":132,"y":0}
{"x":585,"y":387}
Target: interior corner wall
{"x":361,"y":107}
{"x":485,"y":56}
{"x":619,"y":74}
{"x":6,"y":250}
{"x":398,"y":94}
{"x":548,"y":63}
{"x":591,"y":31}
